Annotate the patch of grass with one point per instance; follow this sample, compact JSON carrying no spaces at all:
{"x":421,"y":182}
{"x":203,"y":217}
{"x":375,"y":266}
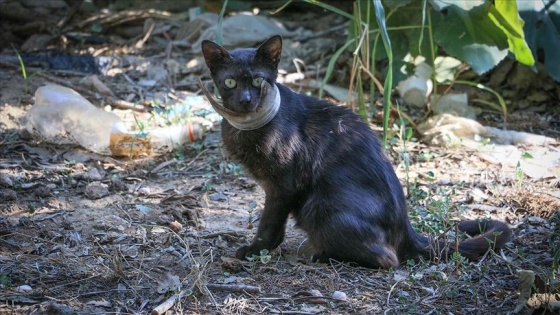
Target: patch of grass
{"x":431,"y":214}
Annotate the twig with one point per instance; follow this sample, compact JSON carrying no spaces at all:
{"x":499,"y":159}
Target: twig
{"x":162,"y":165}
{"x":390,"y":291}
{"x":113,"y":101}
{"x":234,"y":287}
{"x":163,"y":307}
{"x":275,"y":311}
{"x":305,"y":37}
{"x":48,"y":217}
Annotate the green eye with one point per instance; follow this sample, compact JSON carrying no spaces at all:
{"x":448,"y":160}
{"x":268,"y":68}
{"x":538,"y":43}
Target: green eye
{"x":230,"y":83}
{"x":257,"y":82}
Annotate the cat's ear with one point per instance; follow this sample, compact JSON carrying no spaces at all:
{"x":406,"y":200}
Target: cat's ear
{"x":214,"y":54}
{"x":270,"y":51}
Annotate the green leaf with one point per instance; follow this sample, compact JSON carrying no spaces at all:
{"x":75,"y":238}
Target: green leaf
{"x":388,"y":86}
{"x":471,"y":36}
{"x":542,"y":31}
{"x":462,"y":4}
{"x":505,"y":16}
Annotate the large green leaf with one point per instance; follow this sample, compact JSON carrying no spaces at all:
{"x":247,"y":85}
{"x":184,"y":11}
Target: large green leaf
{"x":542,"y":31}
{"x":471,"y":36}
{"x":504,"y":14}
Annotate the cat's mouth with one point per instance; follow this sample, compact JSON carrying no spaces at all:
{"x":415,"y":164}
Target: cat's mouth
{"x":262,"y":115}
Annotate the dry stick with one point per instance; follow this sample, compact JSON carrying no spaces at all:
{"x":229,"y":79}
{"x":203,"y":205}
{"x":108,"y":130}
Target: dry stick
{"x":391,"y":291}
{"x":234,"y":287}
{"x":163,"y":307}
{"x":113,"y":101}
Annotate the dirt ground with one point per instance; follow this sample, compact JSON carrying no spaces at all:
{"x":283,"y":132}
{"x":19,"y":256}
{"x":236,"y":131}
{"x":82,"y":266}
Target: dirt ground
{"x":82,"y":233}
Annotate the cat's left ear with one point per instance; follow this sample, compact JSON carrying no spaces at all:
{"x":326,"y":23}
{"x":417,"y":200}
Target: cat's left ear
{"x":271,"y":50}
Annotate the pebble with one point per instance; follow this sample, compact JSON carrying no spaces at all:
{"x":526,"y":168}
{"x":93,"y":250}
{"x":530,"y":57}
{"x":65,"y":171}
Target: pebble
{"x":175,"y":226}
{"x":24,"y":288}
{"x":5,"y":180}
{"x":341,"y":296}
{"x":96,"y":190}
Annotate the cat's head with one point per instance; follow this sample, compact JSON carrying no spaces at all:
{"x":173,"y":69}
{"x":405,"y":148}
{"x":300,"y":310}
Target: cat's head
{"x":238,"y":74}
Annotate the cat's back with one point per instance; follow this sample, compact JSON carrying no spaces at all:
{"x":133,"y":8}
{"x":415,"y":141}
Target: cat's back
{"x":327,"y":124}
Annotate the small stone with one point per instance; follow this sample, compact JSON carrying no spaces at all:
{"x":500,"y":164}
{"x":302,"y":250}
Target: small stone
{"x":175,"y":226}
{"x":92,"y":174}
{"x":6,"y":180}
{"x":315,"y":292}
{"x":96,"y":190}
{"x":341,"y":296}
{"x":111,"y":223}
{"x":8,"y":194}
{"x":43,"y":191}
{"x":218,"y":196}
{"x":24,"y":288}
{"x":144,"y":191}
{"x":439,"y":275}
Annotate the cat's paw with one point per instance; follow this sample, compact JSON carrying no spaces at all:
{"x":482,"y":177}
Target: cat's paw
{"x":246,"y":251}
{"x":320,"y":257}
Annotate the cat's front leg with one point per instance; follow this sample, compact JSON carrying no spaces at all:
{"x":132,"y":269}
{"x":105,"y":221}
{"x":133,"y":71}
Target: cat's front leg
{"x":270,"y":232}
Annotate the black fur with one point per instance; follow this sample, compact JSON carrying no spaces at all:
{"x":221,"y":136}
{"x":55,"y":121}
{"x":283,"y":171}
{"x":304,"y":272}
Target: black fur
{"x":325,"y":166}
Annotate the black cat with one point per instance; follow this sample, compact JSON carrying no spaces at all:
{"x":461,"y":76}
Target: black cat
{"x":324,"y":165}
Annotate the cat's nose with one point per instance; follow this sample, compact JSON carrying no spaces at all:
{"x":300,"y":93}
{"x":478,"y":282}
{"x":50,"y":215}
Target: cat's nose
{"x":245,"y":98}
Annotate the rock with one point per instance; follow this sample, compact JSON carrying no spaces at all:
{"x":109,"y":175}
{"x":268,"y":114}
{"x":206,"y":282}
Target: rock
{"x":339,"y":295}
{"x":96,"y":190}
{"x":24,"y":288}
{"x":8,"y":194}
{"x":175,"y":226}
{"x":6,"y":180}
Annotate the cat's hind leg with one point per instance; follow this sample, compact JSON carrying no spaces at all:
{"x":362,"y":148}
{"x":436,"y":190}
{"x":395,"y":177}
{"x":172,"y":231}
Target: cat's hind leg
{"x":375,"y":256}
{"x":350,"y":238}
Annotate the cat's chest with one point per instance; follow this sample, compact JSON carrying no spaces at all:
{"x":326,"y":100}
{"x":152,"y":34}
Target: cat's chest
{"x":271,"y":151}
{"x":277,"y":143}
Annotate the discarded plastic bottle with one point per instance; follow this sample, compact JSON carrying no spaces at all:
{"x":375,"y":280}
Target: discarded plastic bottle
{"x":62,"y":116}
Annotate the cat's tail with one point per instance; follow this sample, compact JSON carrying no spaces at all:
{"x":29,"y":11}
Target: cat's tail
{"x":485,"y":235}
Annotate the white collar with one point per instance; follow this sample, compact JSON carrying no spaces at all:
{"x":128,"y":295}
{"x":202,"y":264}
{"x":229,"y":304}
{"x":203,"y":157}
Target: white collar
{"x":265,"y":112}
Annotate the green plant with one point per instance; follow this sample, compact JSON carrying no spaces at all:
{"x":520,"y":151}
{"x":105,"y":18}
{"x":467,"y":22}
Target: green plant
{"x":433,"y":214}
{"x":24,"y":74}
{"x":4,"y":280}
{"x":519,"y":175}
{"x":231,"y":168}
{"x":264,"y":257}
{"x":478,"y":32}
{"x":459,"y":261}
{"x":404,"y":133}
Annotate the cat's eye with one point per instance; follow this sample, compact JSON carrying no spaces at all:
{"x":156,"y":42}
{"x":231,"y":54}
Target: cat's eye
{"x":257,"y":82}
{"x":230,"y":83}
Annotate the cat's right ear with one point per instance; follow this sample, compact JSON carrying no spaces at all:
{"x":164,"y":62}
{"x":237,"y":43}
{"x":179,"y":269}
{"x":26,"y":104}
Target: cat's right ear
{"x":214,"y":54}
